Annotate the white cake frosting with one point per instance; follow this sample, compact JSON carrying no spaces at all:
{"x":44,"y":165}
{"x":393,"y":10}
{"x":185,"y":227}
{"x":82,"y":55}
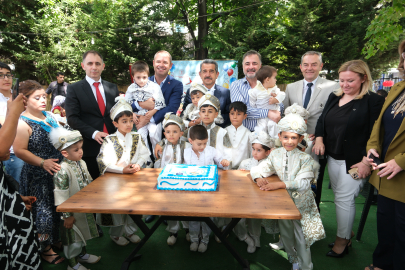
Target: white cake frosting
{"x":188,"y":177}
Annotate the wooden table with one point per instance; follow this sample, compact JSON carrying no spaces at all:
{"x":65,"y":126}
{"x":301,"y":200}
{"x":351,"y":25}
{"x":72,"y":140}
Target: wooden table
{"x":136,"y":194}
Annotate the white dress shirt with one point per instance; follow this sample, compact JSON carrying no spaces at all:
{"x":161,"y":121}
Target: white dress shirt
{"x":304,"y":92}
{"x":241,"y":147}
{"x":93,"y":88}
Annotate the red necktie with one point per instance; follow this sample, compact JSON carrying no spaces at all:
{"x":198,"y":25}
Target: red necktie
{"x":100,"y":102}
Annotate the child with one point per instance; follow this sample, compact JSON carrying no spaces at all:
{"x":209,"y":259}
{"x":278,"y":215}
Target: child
{"x":238,"y":134}
{"x":142,"y":90}
{"x":261,"y":144}
{"x":191,"y":115}
{"x":72,"y":177}
{"x":306,"y":144}
{"x":58,"y":106}
{"x":217,"y":137}
{"x":266,"y":95}
{"x":296,"y":170}
{"x":121,"y":152}
{"x":201,"y":154}
{"x":173,"y":151}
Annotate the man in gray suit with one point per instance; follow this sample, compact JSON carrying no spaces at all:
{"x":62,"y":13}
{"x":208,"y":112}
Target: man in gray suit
{"x":312,"y":93}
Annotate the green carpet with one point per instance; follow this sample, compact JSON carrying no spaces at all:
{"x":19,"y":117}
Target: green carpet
{"x":156,"y":254}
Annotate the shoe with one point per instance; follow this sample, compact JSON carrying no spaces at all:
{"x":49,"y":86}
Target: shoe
{"x":333,"y":254}
{"x":149,"y":219}
{"x":90,"y":259}
{"x":202,"y":247}
{"x":194,"y":246}
{"x":331,"y":245}
{"x":251,"y":245}
{"x":277,"y":246}
{"x":172,"y":240}
{"x":81,"y":267}
{"x":295,"y":266}
{"x":133,"y":238}
{"x":121,"y":241}
{"x":57,"y":258}
{"x":100,"y":231}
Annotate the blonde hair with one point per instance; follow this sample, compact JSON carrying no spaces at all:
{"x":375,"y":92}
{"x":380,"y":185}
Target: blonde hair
{"x":360,"y":67}
{"x":401,"y":49}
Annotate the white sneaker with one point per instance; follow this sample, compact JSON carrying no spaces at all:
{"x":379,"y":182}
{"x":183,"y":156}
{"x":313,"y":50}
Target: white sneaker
{"x":295,"y":266}
{"x":171,"y":240}
{"x":133,"y":238}
{"x":251,"y":244}
{"x":194,"y":246}
{"x":277,"y":246}
{"x":81,"y":267}
{"x":202,"y":247}
{"x":188,"y":237}
{"x":90,"y":259}
{"x":121,"y":241}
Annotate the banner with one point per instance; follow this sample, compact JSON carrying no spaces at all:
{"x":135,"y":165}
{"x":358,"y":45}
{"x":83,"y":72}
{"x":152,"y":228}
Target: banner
{"x":188,"y":72}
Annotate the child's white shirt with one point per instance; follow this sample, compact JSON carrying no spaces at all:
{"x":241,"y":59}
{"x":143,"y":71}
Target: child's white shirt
{"x":209,"y":156}
{"x":137,"y":94}
{"x":241,"y":147}
{"x":259,"y":97}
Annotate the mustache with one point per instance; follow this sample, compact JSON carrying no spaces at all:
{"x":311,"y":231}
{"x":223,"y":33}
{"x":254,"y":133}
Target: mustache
{"x":208,"y":78}
{"x":251,"y":70}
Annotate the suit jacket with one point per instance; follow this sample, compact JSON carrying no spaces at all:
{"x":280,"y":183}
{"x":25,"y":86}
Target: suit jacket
{"x":358,"y":129}
{"x":323,"y":87}
{"x":84,"y":115}
{"x":172,"y":91}
{"x":395,"y":187}
{"x":224,"y":96}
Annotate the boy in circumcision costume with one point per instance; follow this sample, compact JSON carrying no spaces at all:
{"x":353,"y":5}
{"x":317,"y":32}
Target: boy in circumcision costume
{"x":73,"y":176}
{"x":296,"y":170}
{"x":121,"y":152}
{"x":301,"y":111}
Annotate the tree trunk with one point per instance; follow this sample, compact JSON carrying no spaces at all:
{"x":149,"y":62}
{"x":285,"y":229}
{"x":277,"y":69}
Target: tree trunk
{"x":201,"y":52}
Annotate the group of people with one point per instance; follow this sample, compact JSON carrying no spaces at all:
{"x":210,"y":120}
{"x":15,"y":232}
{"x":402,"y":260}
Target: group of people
{"x":251,"y":126}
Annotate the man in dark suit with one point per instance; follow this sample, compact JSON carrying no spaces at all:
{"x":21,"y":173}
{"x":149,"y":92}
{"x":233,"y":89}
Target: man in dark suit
{"x":88,"y":104}
{"x":209,"y":74}
{"x":172,"y":90}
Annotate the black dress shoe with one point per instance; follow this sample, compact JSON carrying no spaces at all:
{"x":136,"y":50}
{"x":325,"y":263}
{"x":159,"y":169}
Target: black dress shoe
{"x":100,"y":231}
{"x":331,"y":245}
{"x":333,"y":254}
{"x":149,"y":219}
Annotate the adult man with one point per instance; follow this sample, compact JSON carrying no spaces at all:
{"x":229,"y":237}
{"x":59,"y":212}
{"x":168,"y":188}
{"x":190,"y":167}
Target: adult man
{"x":312,"y":93}
{"x":209,"y":74}
{"x":88,"y":104}
{"x":58,"y":87}
{"x":172,"y":90}
{"x":13,"y":165}
{"x":251,"y":63}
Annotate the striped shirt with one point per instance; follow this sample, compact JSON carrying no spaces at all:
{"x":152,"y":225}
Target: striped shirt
{"x":239,"y":92}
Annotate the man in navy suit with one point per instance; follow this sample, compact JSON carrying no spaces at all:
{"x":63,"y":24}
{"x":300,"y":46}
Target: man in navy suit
{"x":172,"y":90}
{"x":209,"y":74}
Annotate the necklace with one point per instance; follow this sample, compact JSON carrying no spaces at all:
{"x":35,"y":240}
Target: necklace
{"x":399,"y":105}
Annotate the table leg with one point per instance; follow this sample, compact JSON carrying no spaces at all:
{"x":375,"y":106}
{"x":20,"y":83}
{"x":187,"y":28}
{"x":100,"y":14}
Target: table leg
{"x":147,"y":232}
{"x":222,"y":236}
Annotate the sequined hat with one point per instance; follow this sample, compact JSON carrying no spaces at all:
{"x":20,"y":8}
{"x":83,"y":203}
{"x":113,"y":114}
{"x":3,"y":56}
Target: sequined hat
{"x":62,"y":138}
{"x":297,"y":109}
{"x":198,"y":87}
{"x":261,"y":137}
{"x":210,"y":100}
{"x":172,"y":118}
{"x":121,"y":105}
{"x":292,"y":123}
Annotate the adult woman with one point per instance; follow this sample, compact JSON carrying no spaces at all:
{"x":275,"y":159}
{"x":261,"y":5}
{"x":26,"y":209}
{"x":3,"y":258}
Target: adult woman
{"x":387,"y":142}
{"x":41,"y":159}
{"x":19,"y":248}
{"x":342,"y":132}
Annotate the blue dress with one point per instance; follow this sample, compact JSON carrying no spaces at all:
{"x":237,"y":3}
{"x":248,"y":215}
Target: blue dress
{"x":35,"y":181}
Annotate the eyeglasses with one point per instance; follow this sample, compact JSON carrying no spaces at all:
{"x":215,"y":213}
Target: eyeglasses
{"x":403,"y":55}
{"x":2,"y":76}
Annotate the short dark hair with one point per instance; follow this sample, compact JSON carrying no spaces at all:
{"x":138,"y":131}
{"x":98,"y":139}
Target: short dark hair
{"x":382,"y":93}
{"x":5,"y":66}
{"x":208,"y":105}
{"x":171,"y":124}
{"x":252,"y":52}
{"x":195,"y":92}
{"x":139,"y":66}
{"x":198,"y":132}
{"x":211,"y":62}
{"x":121,"y":114}
{"x":238,"y":106}
{"x":265,"y":72}
{"x":60,"y":73}
{"x":92,"y":52}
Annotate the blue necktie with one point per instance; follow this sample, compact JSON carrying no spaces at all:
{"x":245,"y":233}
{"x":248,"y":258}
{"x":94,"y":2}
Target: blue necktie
{"x":308,"y":95}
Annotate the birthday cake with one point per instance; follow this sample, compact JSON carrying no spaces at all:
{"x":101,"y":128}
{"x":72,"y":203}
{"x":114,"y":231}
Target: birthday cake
{"x":188,"y":177}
